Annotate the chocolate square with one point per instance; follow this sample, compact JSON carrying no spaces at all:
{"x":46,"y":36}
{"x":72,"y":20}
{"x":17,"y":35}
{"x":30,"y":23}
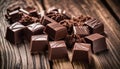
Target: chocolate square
{"x":15,"y":32}
{"x":97,"y":41}
{"x":81,"y":30}
{"x":33,"y":29}
{"x":95,"y":25}
{"x":81,"y":53}
{"x":56,"y":31}
{"x":39,"y":43}
{"x":57,"y":50}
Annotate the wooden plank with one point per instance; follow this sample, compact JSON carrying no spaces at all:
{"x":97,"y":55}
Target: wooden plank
{"x":113,"y":7}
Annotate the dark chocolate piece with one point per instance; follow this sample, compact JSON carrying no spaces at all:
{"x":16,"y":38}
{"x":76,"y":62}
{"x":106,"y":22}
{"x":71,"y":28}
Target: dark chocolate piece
{"x":33,"y":29}
{"x":97,"y":41}
{"x":81,"y":53}
{"x":57,"y":50}
{"x":81,"y":30}
{"x":39,"y":43}
{"x":96,"y":26}
{"x":15,"y":16}
{"x":56,"y":31}
{"x":15,"y":32}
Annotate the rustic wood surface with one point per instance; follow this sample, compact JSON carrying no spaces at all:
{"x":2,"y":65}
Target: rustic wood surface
{"x":19,"y":56}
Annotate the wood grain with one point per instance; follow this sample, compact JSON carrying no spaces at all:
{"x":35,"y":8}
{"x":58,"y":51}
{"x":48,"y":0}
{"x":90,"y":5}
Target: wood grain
{"x":19,"y":56}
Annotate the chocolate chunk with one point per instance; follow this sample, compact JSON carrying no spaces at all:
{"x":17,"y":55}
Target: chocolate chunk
{"x":57,"y":50}
{"x":15,"y":32}
{"x":81,"y":53}
{"x":81,"y":30}
{"x":97,"y":41}
{"x":96,"y":26}
{"x":56,"y":31}
{"x":39,"y":43}
{"x":46,"y":20}
{"x":15,"y":16}
{"x":33,"y":29}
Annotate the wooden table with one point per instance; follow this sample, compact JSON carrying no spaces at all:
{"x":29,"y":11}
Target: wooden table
{"x":19,"y":56}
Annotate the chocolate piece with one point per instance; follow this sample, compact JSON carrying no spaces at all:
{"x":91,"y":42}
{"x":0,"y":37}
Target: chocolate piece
{"x":81,"y":53}
{"x":15,"y":16}
{"x":81,"y":30}
{"x":33,"y":29}
{"x":97,"y":41}
{"x":46,"y":20}
{"x":96,"y":26}
{"x":56,"y":31}
{"x":39,"y":43}
{"x":15,"y":32}
{"x":57,"y":50}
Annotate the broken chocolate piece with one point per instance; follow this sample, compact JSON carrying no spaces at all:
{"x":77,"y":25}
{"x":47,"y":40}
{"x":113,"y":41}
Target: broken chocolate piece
{"x":97,"y":41}
{"x":56,"y":31}
{"x":57,"y":50}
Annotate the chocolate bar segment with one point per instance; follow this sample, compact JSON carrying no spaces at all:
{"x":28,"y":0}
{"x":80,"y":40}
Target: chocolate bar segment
{"x":57,"y":50}
{"x":39,"y":43}
{"x":56,"y":31}
{"x":95,"y":25}
{"x":15,"y":32}
{"x":33,"y":29}
{"x":81,"y":30}
{"x":81,"y":53}
{"x":97,"y":42}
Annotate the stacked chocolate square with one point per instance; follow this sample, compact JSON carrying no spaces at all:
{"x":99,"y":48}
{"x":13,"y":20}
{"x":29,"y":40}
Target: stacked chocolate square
{"x":55,"y":31}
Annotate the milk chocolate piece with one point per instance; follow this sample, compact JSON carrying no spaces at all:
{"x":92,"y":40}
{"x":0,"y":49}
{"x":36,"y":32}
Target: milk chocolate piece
{"x":15,"y":32}
{"x":95,"y":25}
{"x":39,"y":43}
{"x":56,"y":31}
{"x":97,"y":41}
{"x":15,"y":16}
{"x":81,"y":30}
{"x":33,"y":29}
{"x":57,"y":50}
{"x":81,"y":53}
